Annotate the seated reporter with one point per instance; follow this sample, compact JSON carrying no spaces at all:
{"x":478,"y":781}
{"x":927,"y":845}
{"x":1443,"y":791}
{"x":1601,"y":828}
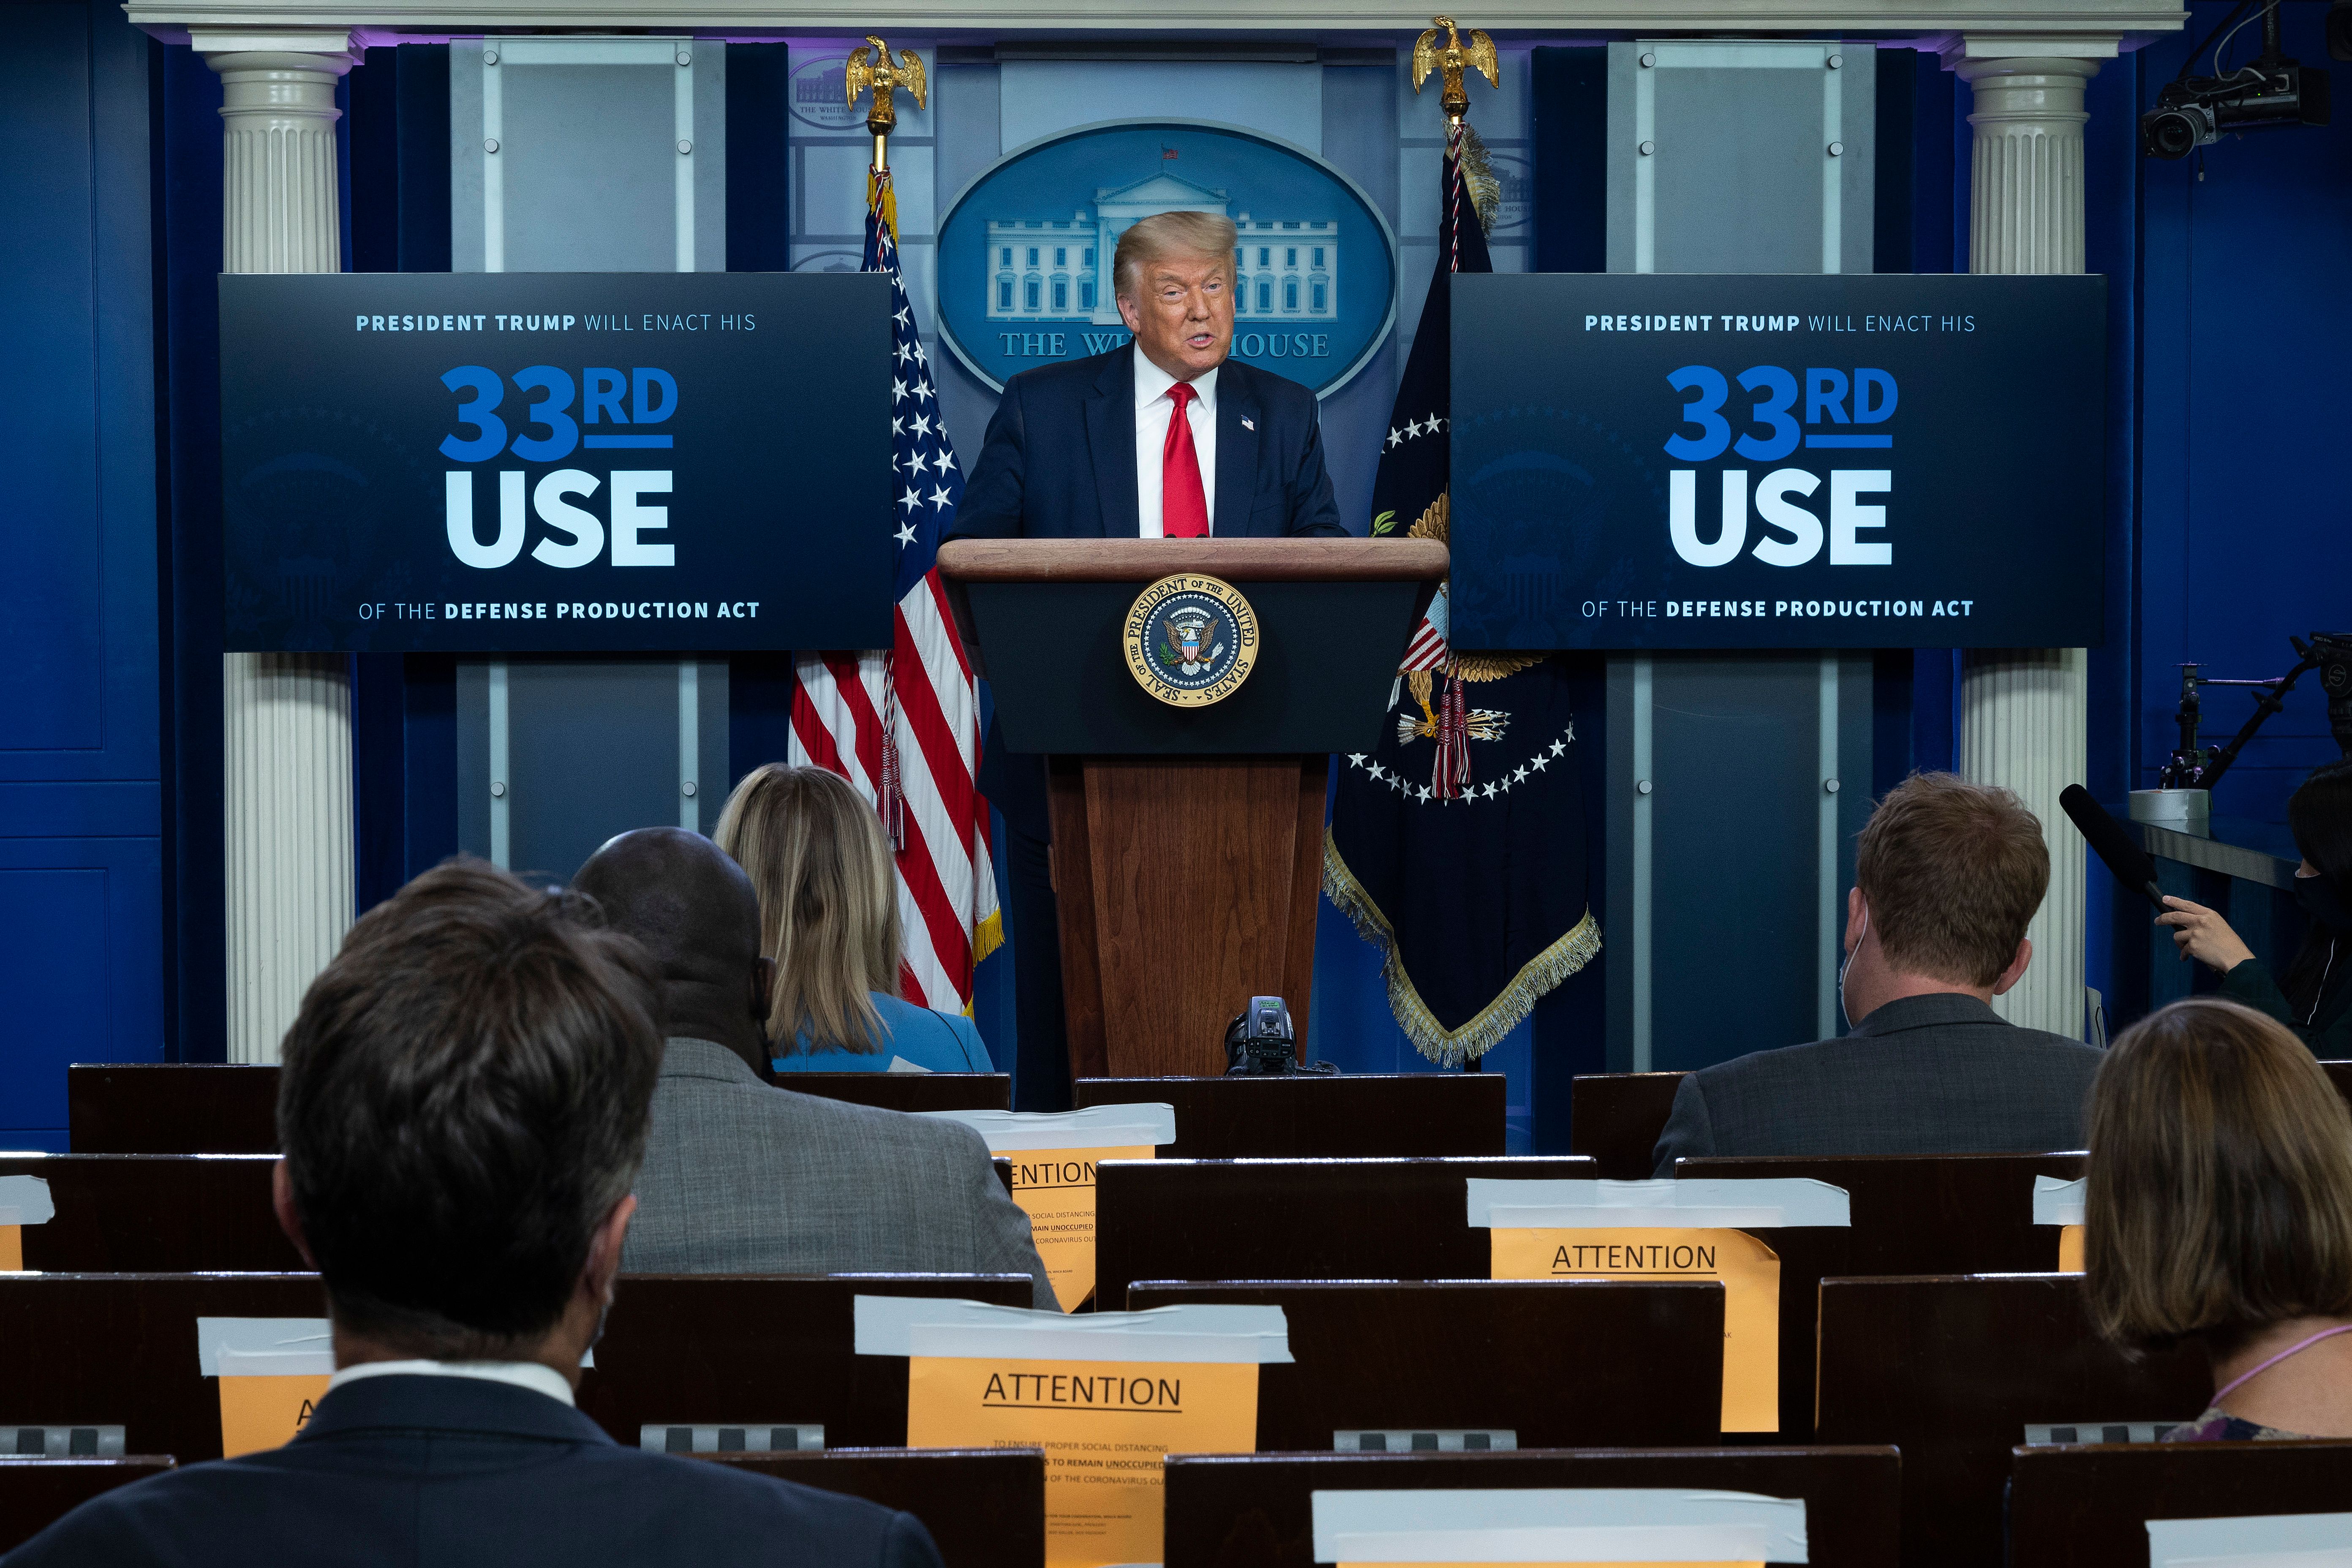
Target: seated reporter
{"x":1947,"y":875}
{"x":2314,"y":998}
{"x":463,"y":1104}
{"x":742,"y":1177}
{"x":829,"y":919}
{"x":2219,"y":1208}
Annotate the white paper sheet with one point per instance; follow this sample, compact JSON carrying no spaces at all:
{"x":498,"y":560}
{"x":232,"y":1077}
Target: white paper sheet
{"x":907,"y":1325}
{"x":2057,"y":1201}
{"x":261,"y":1347}
{"x":280,"y":1347}
{"x":1096,"y":1126}
{"x":2257,"y":1541}
{"x":25,"y":1200}
{"x":1559,"y":1524}
{"x":1702,"y":1202}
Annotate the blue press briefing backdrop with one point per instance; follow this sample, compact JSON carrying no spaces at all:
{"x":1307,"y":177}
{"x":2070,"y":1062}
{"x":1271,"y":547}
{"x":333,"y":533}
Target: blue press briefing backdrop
{"x":1024,"y":251}
{"x":512,"y":462}
{"x":1663,"y":461}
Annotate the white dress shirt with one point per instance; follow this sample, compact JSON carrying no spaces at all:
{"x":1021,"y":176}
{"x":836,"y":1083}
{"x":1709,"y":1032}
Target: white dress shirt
{"x":534,"y":1376}
{"x":1152,"y":409}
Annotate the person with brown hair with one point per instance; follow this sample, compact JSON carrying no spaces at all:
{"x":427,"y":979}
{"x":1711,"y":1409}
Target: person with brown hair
{"x":829,"y":920}
{"x":464,"y":1102}
{"x":2219,"y":1207}
{"x":1946,"y":875}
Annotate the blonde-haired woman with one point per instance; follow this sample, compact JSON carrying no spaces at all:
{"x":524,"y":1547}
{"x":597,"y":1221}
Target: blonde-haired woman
{"x":2220,"y":1209}
{"x":829,"y":917}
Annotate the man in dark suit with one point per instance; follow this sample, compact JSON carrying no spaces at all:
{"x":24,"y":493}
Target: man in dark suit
{"x":1947,"y":875}
{"x":1166,"y":439}
{"x":463,"y":1105}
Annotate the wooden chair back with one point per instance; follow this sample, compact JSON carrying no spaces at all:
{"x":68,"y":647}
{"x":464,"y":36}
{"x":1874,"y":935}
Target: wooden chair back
{"x":1951,"y":1370}
{"x":1255,"y":1511}
{"x":1418,"y":1359}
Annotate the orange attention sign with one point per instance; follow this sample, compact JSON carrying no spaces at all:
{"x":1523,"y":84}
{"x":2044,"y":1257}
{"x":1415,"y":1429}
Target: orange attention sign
{"x":2070,"y":1249}
{"x":259,"y":1412}
{"x":1695,"y":1229}
{"x":1056,"y":1187}
{"x":1108,"y":1397}
{"x":1749,"y":1270}
{"x":1104,"y":1427}
{"x":23,"y":1200}
{"x":1054,"y":1156}
{"x":273,"y":1372}
{"x":2059,"y":1202}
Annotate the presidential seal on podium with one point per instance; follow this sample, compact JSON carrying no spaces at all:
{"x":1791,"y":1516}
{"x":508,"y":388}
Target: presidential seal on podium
{"x":1189,"y":640}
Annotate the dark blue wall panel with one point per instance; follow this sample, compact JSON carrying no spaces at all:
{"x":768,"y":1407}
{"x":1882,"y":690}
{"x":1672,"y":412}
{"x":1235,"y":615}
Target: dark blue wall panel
{"x":81,"y":930}
{"x":2243,"y":415}
{"x":187,"y":207}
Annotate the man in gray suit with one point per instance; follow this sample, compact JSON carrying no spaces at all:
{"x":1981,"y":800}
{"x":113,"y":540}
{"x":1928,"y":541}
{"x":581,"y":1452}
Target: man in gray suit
{"x":743,"y":1178}
{"x":1946,"y":874}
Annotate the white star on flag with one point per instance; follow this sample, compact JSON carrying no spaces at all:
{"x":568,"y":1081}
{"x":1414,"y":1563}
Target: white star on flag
{"x":902,"y":723}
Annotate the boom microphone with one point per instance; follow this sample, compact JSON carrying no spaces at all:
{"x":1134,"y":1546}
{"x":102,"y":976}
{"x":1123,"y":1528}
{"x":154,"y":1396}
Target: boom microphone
{"x":2111,"y":843}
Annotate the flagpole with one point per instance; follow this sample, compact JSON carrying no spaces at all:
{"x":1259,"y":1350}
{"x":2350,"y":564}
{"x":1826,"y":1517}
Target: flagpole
{"x":870,"y":68}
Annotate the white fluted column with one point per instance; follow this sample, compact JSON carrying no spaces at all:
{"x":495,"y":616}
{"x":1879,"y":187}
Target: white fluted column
{"x":2024,"y":711}
{"x":286,"y":719}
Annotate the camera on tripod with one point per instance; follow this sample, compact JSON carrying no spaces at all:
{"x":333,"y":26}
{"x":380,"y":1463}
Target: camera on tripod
{"x":2193,"y":111}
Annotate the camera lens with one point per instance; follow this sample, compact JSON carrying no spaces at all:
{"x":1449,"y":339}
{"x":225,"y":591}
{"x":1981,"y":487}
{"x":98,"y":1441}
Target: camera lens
{"x":2167,"y":133}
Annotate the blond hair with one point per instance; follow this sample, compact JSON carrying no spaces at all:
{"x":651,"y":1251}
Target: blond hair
{"x":2219,"y":1198}
{"x":1165,"y":235}
{"x":1953,"y":872}
{"x":828,"y":903}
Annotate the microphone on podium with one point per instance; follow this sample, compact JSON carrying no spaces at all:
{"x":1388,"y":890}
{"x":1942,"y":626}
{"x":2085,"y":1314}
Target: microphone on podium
{"x":2110,"y":843}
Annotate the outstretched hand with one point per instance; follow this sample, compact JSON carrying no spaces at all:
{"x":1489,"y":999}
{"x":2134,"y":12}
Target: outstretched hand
{"x":2203,"y":934}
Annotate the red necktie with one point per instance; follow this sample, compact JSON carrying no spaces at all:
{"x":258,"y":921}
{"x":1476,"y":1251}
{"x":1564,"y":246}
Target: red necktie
{"x":1183,"y":506}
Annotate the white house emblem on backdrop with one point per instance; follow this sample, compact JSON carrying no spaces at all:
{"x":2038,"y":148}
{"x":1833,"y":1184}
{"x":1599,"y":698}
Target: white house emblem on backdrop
{"x":1058,"y":270}
{"x":1026,"y":250}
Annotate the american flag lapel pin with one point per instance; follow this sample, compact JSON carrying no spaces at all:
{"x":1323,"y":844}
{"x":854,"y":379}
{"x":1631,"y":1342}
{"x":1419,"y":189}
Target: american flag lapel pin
{"x":1248,"y":423}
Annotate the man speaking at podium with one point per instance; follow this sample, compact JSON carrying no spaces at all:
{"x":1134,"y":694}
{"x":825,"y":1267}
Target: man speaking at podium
{"x":1160,"y":440}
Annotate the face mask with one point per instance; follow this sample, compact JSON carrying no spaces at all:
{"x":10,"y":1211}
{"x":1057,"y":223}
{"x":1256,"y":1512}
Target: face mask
{"x":2323,"y":903}
{"x":1865,"y":931}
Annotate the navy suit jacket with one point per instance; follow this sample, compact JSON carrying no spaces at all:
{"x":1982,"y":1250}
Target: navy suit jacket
{"x":456,"y":1471}
{"x":1060,"y":458}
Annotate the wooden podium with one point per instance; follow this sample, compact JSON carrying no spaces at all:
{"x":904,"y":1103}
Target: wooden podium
{"x":1188,"y":841}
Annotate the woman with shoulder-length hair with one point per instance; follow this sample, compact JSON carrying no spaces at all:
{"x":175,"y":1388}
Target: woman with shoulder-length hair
{"x":2219,"y":1208}
{"x":829,"y":917}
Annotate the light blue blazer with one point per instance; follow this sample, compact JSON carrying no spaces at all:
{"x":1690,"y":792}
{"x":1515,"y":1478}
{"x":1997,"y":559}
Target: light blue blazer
{"x":933,"y":1041}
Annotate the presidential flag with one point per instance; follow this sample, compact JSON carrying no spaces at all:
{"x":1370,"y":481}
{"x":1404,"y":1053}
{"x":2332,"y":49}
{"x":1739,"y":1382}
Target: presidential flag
{"x":1456,"y":844}
{"x":902,"y":723}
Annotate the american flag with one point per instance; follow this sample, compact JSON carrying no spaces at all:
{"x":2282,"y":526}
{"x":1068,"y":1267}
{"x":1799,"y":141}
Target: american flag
{"x":903,"y":724}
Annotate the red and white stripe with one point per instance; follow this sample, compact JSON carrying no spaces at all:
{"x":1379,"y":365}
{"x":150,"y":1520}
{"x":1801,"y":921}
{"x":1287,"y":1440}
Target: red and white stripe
{"x":947,"y":884}
{"x":1427,"y":650}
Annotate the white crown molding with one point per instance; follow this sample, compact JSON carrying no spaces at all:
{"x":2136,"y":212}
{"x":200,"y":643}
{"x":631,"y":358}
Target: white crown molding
{"x":341,"y":40}
{"x":1960,"y":28}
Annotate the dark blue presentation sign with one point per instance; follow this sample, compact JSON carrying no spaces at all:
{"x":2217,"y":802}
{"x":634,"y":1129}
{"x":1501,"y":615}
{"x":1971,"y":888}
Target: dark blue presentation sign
{"x":557,"y":462}
{"x":1681,"y":461}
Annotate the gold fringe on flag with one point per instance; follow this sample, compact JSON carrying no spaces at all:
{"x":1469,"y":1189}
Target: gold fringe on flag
{"x":1452,"y":1048}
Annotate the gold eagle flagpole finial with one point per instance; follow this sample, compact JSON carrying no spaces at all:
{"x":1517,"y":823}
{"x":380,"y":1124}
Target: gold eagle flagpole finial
{"x":871,"y":67}
{"x":1477,"y":53}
